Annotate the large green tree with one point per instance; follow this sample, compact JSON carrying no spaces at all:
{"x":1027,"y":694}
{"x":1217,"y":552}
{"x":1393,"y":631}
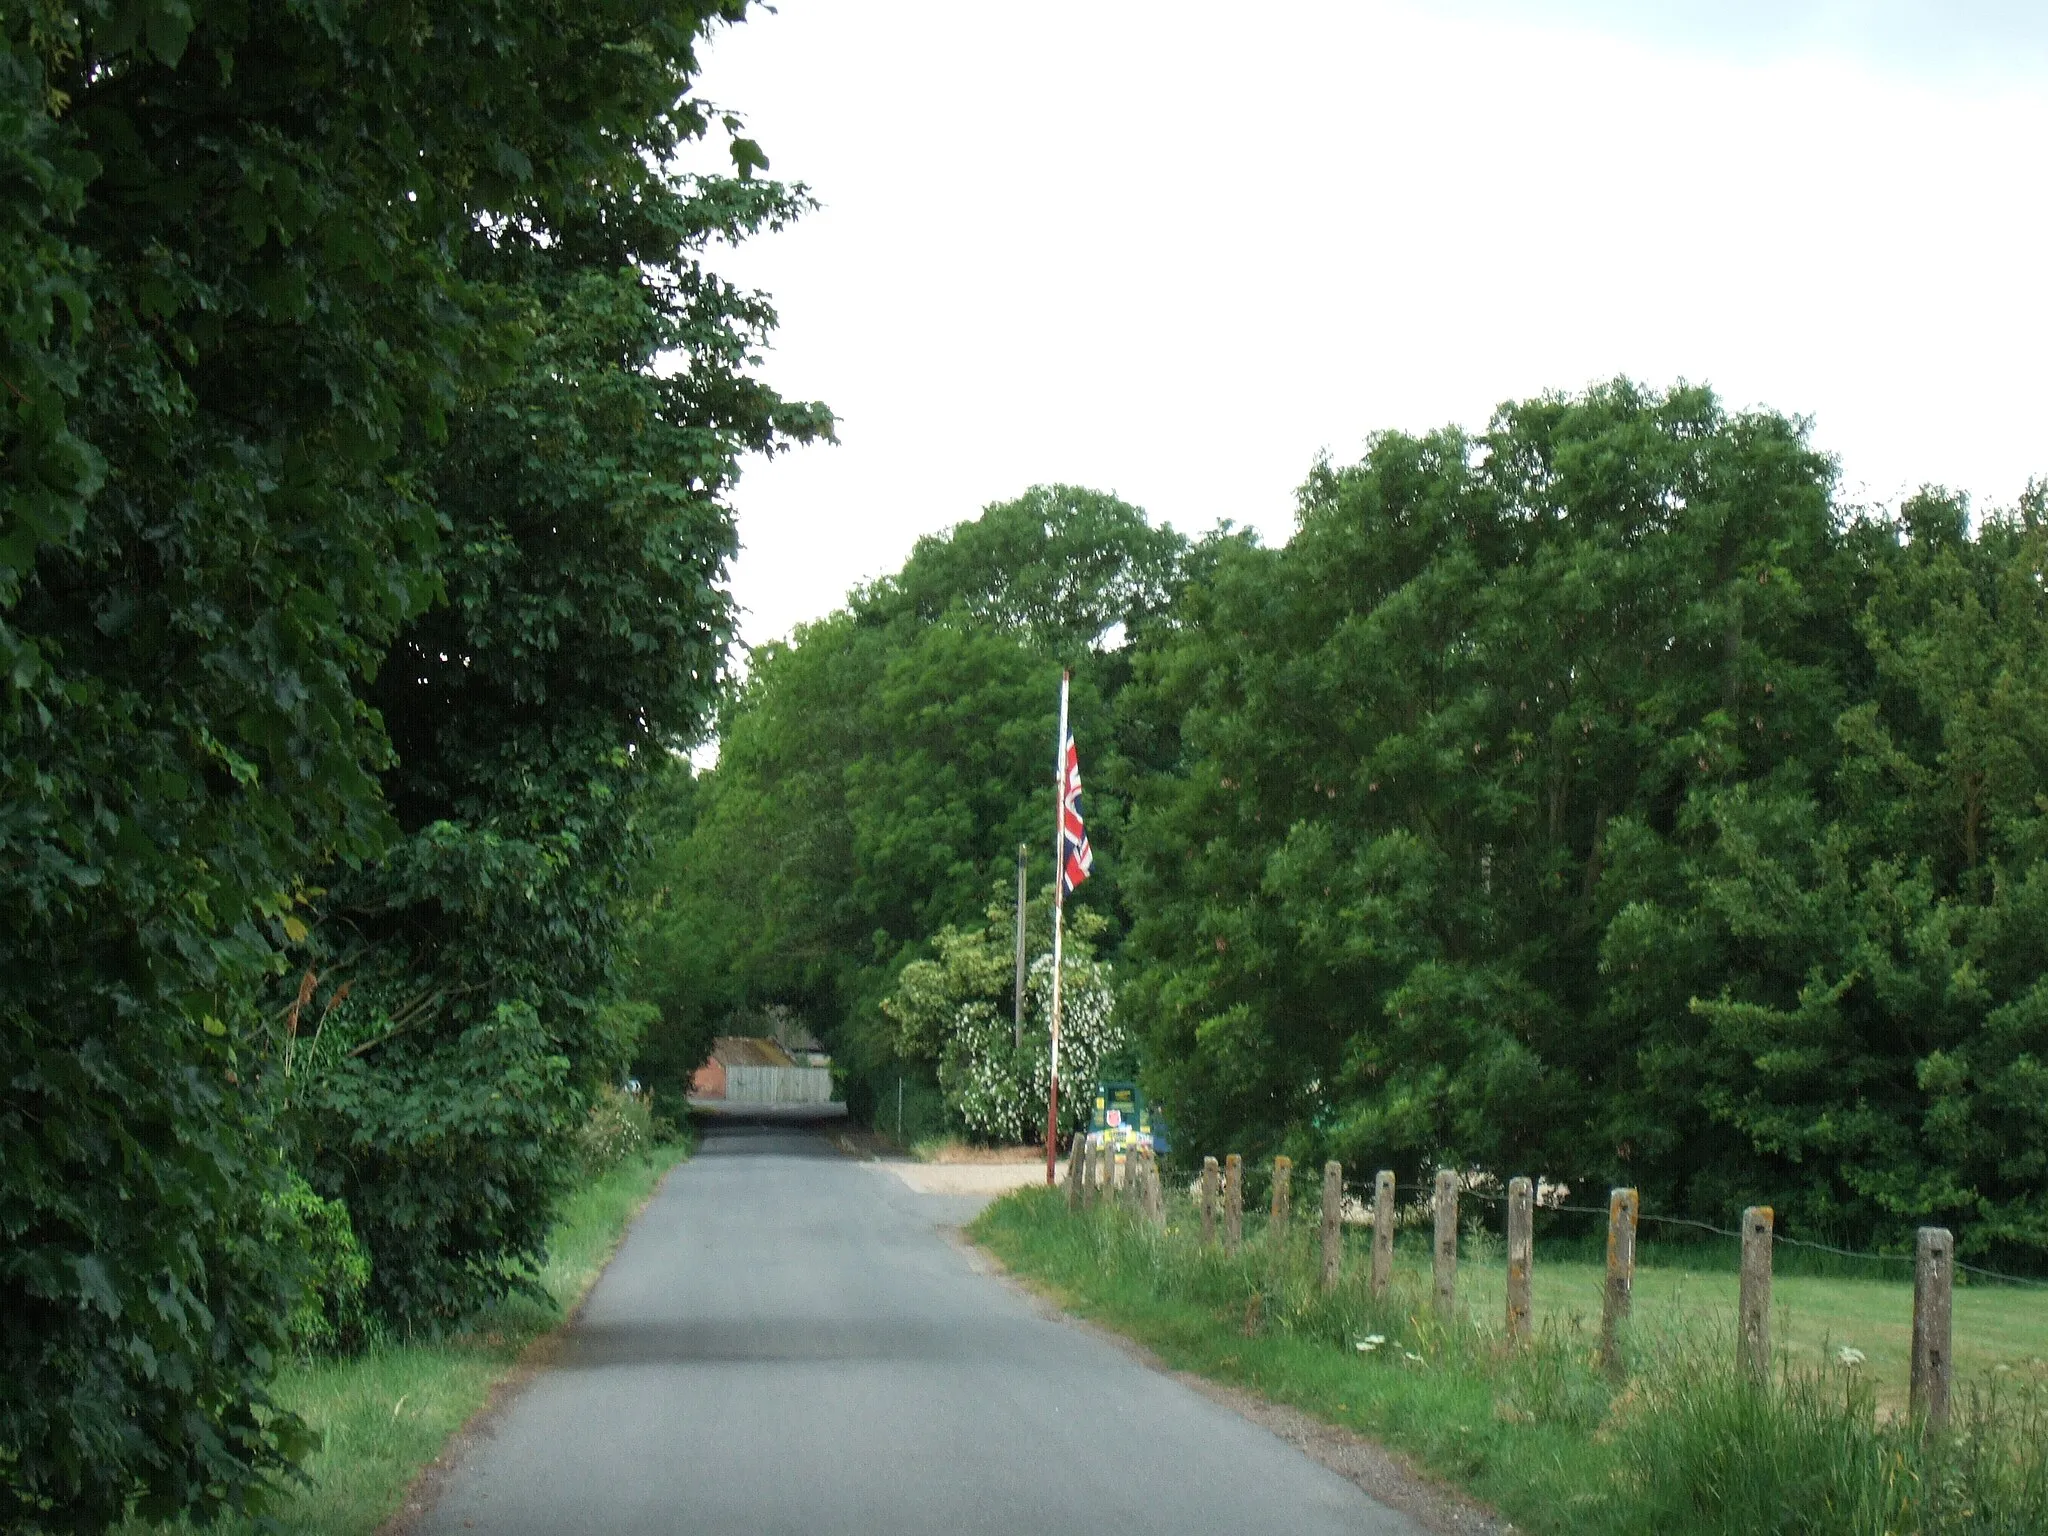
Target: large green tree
{"x":1369,"y":897}
{"x":1594,"y":797}
{"x":1847,"y":971}
{"x":272,"y":315}
{"x":578,"y":650}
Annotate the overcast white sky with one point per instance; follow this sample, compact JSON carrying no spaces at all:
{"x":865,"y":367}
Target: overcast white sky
{"x":1174,"y":249}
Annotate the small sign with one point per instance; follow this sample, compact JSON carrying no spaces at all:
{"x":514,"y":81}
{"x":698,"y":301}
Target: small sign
{"x":1116,"y":1117}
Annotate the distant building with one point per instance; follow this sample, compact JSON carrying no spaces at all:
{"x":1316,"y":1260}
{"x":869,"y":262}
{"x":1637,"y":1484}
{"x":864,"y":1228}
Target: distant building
{"x":795,"y":1037}
{"x":745,"y":1069}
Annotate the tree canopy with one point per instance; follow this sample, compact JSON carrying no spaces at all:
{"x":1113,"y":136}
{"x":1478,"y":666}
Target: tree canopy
{"x":1546,"y":804}
{"x":357,"y":565}
{"x":1594,"y":795}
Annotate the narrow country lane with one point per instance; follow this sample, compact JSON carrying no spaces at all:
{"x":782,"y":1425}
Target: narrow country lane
{"x":787,"y":1342}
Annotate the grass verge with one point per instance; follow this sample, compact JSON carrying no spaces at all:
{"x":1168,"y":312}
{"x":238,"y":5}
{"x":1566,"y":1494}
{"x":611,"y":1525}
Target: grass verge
{"x":384,"y":1414}
{"x":1683,"y":1445}
{"x":1999,"y":1329}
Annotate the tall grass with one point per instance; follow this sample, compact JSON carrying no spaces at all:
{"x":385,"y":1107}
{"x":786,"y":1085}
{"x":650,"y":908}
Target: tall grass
{"x":1680,"y":1443}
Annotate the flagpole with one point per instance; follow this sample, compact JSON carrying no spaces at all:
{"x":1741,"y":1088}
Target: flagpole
{"x":1059,"y":907}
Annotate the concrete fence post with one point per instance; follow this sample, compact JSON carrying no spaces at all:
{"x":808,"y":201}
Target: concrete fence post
{"x":1446,"y":1244}
{"x":1212,"y":1180}
{"x":1623,"y":1206}
{"x":1934,"y":1273}
{"x":1333,"y":1223}
{"x":1077,"y":1159}
{"x":1283,"y":1199}
{"x":1521,"y":1258}
{"x":1753,"y":1310}
{"x":1382,"y":1231}
{"x":1233,"y":1202}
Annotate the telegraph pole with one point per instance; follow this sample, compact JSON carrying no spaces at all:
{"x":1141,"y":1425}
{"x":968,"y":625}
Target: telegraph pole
{"x":1023,"y":853}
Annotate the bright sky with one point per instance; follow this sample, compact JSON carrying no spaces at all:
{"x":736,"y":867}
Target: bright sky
{"x":1173,"y":250}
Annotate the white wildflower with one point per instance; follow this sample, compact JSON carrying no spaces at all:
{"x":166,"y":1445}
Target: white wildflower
{"x":1851,"y":1358}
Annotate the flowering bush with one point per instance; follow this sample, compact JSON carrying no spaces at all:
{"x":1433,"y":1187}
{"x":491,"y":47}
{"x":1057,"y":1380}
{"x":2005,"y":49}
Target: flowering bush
{"x":998,"y":1089}
{"x":955,"y":1009}
{"x":620,"y":1125}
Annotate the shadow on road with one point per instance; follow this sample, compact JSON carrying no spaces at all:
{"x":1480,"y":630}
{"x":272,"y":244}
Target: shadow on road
{"x":731,"y":1341}
{"x":735,"y":1132}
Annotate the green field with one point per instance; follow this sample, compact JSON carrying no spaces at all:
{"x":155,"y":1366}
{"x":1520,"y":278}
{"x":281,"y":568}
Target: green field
{"x":1684,"y":1445}
{"x":384,"y":1414}
{"x":1812,"y":1316}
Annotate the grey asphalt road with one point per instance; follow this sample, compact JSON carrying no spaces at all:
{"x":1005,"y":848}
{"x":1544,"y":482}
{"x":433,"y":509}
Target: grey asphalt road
{"x":789,"y":1342}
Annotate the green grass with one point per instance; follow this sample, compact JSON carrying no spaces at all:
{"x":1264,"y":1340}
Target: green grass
{"x":384,"y":1414}
{"x":1812,"y":1316}
{"x":1684,"y":1446}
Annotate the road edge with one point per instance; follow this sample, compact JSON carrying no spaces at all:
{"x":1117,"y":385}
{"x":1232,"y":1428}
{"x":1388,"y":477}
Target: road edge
{"x":1383,"y":1475}
{"x":430,"y":1482}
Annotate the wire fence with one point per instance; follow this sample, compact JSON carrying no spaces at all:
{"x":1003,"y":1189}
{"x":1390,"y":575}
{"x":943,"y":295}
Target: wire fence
{"x":1134,"y":1181}
{"x":1367,"y":1192}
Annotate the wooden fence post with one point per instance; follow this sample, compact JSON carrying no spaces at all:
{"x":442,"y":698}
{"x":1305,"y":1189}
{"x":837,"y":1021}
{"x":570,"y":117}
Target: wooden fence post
{"x":1521,"y":1257}
{"x":1077,"y":1158}
{"x":1753,"y":1315}
{"x":1283,"y":1199}
{"x":1154,"y":1190}
{"x":1622,"y":1208}
{"x":1233,"y":1202}
{"x":1333,"y":1223}
{"x":1382,"y":1231}
{"x":1934,"y":1273}
{"x":1211,"y":1182}
{"x":1446,"y":1244}
{"x":1105,"y":1173}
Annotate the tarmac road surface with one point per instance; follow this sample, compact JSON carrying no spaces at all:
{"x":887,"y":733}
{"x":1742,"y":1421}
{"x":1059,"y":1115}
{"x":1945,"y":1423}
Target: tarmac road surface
{"x":789,"y":1342}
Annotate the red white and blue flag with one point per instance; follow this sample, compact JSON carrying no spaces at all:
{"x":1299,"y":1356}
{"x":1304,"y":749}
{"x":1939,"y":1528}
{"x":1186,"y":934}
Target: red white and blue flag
{"x":1077,"y":860}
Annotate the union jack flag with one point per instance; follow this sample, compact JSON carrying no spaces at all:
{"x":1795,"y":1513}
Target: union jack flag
{"x":1077,"y":860}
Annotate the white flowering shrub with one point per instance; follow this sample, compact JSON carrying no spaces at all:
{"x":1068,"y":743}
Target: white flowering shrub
{"x":955,"y":1009}
{"x":998,"y":1090}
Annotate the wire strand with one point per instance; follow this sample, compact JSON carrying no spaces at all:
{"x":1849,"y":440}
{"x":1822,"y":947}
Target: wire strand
{"x":1489,"y":1197}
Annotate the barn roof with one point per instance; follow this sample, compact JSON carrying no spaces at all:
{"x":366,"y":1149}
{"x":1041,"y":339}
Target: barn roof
{"x":746,"y":1051}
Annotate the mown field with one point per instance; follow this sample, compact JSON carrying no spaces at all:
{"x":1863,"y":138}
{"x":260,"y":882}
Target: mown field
{"x":1681,"y":1444}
